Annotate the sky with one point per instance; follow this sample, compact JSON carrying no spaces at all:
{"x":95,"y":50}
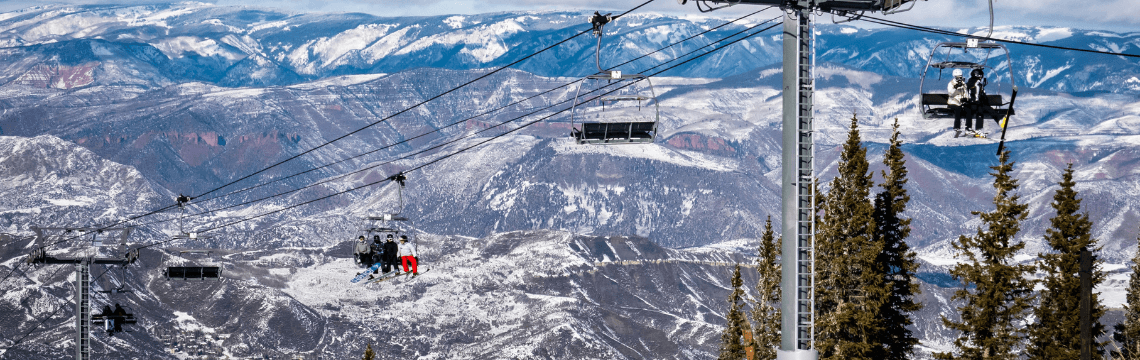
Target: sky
{"x":1113,"y":15}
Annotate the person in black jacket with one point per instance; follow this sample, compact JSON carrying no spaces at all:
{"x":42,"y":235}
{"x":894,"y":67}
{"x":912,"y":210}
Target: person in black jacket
{"x":391,"y":255}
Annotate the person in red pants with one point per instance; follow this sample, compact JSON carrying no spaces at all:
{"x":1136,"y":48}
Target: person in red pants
{"x":408,"y":254}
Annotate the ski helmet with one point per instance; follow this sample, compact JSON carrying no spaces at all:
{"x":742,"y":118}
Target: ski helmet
{"x":957,"y":72}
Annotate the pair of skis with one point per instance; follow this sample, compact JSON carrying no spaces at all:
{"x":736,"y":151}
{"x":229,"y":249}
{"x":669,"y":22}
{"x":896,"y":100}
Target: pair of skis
{"x":391,"y":275}
{"x":383,"y":277}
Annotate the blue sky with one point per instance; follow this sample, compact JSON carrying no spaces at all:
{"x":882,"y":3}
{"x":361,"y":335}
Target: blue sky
{"x":1115,"y":15}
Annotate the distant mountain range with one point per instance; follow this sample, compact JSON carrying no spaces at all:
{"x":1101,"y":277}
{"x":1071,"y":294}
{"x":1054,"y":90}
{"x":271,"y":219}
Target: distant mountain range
{"x":111,"y":111}
{"x":161,"y":45}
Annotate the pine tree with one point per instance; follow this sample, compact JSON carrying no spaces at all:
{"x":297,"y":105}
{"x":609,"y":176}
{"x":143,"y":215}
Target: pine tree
{"x":850,"y":289}
{"x":1057,"y":332}
{"x":897,"y":258}
{"x":368,"y":354}
{"x":766,"y":310}
{"x":995,"y":290}
{"x":1127,"y":336}
{"x":732,"y":339}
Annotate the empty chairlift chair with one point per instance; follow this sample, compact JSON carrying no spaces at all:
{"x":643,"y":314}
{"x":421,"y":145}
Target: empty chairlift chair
{"x":198,"y":268}
{"x":611,"y":107}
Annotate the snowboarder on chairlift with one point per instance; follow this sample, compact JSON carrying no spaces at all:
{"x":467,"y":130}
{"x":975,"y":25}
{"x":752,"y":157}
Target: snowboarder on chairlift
{"x":375,"y":250}
{"x":119,"y":316}
{"x":390,"y":256}
{"x":959,"y":102}
{"x":978,"y":99}
{"x":361,"y":251}
{"x":408,"y":254}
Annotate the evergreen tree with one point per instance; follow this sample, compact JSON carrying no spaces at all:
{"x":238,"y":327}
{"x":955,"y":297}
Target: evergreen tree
{"x":897,"y":258}
{"x":995,"y":291}
{"x":732,"y":339}
{"x":766,"y":310}
{"x":1057,"y":332}
{"x":850,"y":289}
{"x":1127,"y":334}
{"x":368,"y":354}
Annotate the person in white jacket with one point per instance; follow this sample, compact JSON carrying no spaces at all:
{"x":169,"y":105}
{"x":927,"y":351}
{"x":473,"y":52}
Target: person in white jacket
{"x":958,"y":102}
{"x":408,"y":254}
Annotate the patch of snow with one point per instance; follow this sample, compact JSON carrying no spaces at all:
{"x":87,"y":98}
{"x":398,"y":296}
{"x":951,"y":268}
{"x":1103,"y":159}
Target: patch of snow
{"x":455,"y":22}
{"x":345,"y":80}
{"x":651,"y":152}
{"x":81,"y":201}
{"x":176,"y":47}
{"x":1053,"y":34}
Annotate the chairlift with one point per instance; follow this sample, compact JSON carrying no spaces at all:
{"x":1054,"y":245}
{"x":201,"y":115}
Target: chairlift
{"x":968,"y":56}
{"x":387,"y":224}
{"x":623,"y":116}
{"x":113,"y":320}
{"x":975,"y":55}
{"x":198,"y":264}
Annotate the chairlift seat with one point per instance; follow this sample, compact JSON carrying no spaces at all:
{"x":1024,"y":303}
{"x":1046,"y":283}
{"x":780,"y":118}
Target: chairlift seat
{"x":936,"y":106}
{"x":625,"y":98}
{"x":193,"y":272}
{"x":610,"y":77}
{"x":979,"y":45}
{"x":616,"y":133}
{"x":957,"y":65}
{"x":128,"y":319}
{"x":386,"y":217}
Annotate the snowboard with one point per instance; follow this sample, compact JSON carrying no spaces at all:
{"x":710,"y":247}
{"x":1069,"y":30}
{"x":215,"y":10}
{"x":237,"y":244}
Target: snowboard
{"x":365,"y":274}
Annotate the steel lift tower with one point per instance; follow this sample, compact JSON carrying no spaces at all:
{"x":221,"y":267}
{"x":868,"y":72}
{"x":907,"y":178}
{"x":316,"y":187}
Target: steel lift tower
{"x":798,"y":214}
{"x":82,"y":264}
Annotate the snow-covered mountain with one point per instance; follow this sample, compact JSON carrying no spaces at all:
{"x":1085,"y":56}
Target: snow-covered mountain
{"x":164,"y":44}
{"x":110,"y":111}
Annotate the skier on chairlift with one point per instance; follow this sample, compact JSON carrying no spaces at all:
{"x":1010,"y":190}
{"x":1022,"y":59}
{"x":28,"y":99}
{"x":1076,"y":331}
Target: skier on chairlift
{"x":361,"y":252}
{"x":108,"y":321}
{"x":959,"y":102}
{"x":390,"y":255}
{"x":408,"y":254}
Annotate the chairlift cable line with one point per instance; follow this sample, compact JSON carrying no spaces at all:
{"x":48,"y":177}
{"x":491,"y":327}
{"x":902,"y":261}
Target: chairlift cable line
{"x":57,"y":309}
{"x":464,"y":149}
{"x":461,"y":150}
{"x":374,"y":123}
{"x":482,"y":130}
{"x":475,"y":116}
{"x":34,"y":328}
{"x":467,"y":136}
{"x":951,"y":33}
{"x":433,"y":98}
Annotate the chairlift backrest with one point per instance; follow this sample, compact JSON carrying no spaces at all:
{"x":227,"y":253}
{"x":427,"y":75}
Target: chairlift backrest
{"x":202,"y":268}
